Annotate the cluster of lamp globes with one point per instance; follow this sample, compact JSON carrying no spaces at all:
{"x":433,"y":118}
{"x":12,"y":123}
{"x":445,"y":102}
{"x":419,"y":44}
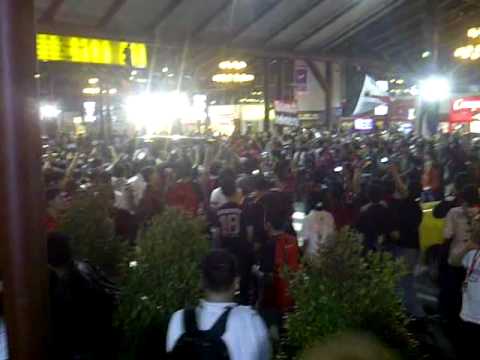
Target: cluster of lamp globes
{"x":233,"y":73}
{"x":471,"y":51}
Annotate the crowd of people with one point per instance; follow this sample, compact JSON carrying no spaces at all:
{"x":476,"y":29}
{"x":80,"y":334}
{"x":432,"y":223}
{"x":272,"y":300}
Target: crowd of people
{"x":247,"y":187}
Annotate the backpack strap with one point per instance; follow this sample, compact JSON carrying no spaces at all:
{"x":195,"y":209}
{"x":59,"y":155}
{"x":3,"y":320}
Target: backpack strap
{"x":190,"y":321}
{"x":218,"y":329}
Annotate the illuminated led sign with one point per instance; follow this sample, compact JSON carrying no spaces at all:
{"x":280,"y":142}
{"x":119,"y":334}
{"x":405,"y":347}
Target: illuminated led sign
{"x":93,"y":51}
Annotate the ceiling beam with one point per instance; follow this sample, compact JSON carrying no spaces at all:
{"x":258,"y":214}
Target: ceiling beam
{"x":318,"y":75}
{"x":114,"y":8}
{"x":415,"y":13}
{"x":410,"y":32}
{"x":256,"y":19}
{"x":418,"y":18}
{"x":356,"y":27}
{"x":164,"y":14}
{"x":449,"y":32}
{"x":398,"y":40}
{"x":326,"y":24}
{"x":52,"y":10}
{"x":204,"y":25}
{"x":293,"y":20}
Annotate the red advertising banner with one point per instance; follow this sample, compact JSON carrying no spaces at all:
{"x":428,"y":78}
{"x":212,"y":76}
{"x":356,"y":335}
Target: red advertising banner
{"x":465,"y":110}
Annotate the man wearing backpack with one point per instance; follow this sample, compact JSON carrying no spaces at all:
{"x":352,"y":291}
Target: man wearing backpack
{"x":218,"y":328}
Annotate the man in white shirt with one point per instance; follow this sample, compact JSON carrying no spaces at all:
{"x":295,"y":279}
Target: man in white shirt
{"x":245,"y":336}
{"x":319,"y":229}
{"x":468,"y":255}
{"x":119,"y":184}
{"x":458,"y":226}
{"x":218,"y":198}
{"x":137,"y":184}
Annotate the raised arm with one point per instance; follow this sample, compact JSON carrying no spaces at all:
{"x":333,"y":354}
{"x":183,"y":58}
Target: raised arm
{"x":69,"y":172}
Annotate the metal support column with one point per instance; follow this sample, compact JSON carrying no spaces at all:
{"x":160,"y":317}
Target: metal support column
{"x":266,"y":93}
{"x":21,"y":195}
{"x":328,"y":94}
{"x":434,"y":32}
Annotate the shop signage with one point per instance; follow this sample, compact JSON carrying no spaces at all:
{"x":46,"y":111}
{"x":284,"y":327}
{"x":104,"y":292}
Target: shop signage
{"x":76,"y":49}
{"x":364,"y":124}
{"x":286,"y":113}
{"x":464,"y":110}
{"x":469,"y":103}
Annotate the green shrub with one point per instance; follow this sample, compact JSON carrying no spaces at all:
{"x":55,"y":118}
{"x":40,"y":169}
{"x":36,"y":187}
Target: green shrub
{"x":87,"y":221}
{"x":342,"y":289}
{"x":165,"y":278}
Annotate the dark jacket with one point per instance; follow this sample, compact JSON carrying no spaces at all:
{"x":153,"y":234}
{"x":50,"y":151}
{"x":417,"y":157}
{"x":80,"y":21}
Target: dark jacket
{"x":374,"y":223}
{"x":408,"y":216}
{"x":81,"y":308}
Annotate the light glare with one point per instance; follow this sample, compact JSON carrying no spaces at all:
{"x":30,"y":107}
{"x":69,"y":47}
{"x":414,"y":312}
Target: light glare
{"x":434,"y":89}
{"x":155,"y":112}
{"x":233,"y":65}
{"x":49,"y":111}
{"x":91,"y":91}
{"x":233,"y":78}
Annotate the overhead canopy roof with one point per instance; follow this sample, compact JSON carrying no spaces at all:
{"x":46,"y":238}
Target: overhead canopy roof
{"x":406,"y":33}
{"x":372,"y":29}
{"x":303,"y":26}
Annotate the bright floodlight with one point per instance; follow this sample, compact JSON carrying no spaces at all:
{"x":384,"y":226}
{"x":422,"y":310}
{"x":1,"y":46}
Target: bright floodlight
{"x":435,"y":89}
{"x":49,"y":111}
{"x":156,"y":112}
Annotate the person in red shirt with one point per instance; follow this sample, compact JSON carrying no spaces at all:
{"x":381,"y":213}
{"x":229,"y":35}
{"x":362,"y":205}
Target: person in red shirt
{"x":431,"y":179}
{"x":185,"y":195}
{"x":286,"y":255}
{"x":152,"y":201}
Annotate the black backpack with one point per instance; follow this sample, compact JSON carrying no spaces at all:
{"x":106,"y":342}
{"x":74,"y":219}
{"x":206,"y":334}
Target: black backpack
{"x":201,"y":344}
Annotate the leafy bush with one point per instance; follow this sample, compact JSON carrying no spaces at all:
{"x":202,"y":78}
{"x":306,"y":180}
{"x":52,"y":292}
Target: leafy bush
{"x":164,"y":278}
{"x":87,"y":221}
{"x":344,"y":289}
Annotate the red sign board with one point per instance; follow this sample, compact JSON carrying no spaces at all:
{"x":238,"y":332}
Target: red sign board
{"x":403,"y":109}
{"x":465,"y":110}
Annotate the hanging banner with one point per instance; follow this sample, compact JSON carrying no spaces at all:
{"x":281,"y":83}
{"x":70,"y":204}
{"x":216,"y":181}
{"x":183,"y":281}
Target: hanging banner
{"x":301,"y":76}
